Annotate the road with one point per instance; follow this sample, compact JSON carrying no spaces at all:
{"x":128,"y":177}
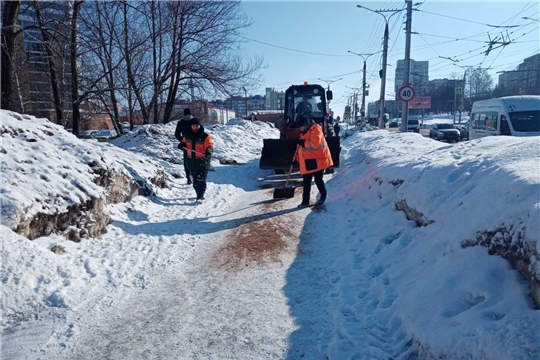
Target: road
{"x":424,"y":132}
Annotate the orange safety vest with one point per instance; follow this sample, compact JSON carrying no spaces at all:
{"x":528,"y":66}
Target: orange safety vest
{"x":315,"y":154}
{"x":200,"y":146}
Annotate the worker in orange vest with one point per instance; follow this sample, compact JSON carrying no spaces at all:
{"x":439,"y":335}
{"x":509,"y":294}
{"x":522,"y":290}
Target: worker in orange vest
{"x":313,"y":158}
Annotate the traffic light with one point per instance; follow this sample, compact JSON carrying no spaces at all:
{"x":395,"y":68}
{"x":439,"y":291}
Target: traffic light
{"x":380,"y":73}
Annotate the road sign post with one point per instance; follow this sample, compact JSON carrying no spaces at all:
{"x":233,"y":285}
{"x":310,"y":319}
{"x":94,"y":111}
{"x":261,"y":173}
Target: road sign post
{"x":461,"y":107}
{"x":406,"y":93}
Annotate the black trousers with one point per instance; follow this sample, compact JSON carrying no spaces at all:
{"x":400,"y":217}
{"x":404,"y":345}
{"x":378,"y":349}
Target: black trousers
{"x":307,"y":185}
{"x":188,"y":172}
{"x":199,"y":182}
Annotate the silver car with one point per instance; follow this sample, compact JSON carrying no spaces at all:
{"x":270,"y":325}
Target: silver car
{"x":444,"y":132}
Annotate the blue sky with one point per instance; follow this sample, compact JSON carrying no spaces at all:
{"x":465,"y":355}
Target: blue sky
{"x":307,"y":40}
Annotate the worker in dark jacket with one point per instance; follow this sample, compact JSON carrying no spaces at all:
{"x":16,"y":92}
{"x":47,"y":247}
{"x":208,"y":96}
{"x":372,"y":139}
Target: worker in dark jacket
{"x":199,"y":148}
{"x":181,"y":130}
{"x":313,"y":157}
{"x":337,"y":128}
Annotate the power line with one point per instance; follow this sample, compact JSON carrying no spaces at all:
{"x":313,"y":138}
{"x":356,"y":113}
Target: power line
{"x":469,"y":21}
{"x":295,"y":50}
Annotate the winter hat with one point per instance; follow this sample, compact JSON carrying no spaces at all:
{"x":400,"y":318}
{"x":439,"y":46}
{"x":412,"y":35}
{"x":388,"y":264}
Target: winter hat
{"x":194,"y":121}
{"x":303,"y":121}
{"x":187,"y":111}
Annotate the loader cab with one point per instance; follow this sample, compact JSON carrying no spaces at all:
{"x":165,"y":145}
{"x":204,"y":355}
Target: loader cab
{"x":308,"y":100}
{"x":311,"y":100}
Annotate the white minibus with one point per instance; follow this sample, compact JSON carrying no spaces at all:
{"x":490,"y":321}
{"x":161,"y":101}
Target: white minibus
{"x":510,"y":115}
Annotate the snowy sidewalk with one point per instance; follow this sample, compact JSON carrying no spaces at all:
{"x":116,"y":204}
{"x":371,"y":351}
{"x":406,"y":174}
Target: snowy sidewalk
{"x":225,"y":301}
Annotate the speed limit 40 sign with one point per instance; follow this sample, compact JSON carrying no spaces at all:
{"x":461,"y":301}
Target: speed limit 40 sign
{"x":406,"y":93}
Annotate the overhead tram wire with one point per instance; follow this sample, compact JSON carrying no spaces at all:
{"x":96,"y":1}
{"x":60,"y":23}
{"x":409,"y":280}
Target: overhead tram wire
{"x":483,"y":33}
{"x":520,"y":12}
{"x":482,"y":47}
{"x":295,"y":50}
{"x":469,"y":21}
{"x":496,"y":57}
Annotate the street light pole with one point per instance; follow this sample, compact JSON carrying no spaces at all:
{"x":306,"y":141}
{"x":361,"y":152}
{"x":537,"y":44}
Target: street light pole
{"x":462,"y":100}
{"x":365,"y":57}
{"x":354,"y":102}
{"x":385,"y":56}
{"x":245,"y":97}
{"x":328,"y":82}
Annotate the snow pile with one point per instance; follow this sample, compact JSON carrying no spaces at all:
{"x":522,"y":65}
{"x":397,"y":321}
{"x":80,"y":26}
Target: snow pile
{"x":47,"y":171}
{"x":239,"y":139}
{"x":458,"y":184}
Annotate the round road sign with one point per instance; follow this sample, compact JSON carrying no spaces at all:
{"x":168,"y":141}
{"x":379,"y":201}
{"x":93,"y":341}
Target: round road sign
{"x":406,"y":93}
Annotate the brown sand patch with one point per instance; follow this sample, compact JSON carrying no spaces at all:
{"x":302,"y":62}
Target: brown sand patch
{"x":257,"y":242}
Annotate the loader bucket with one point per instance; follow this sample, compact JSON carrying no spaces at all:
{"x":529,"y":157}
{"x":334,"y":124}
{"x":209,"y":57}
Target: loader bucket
{"x":277,"y":154}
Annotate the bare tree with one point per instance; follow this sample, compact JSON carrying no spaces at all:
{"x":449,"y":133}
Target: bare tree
{"x":53,"y":32}
{"x":480,"y":83}
{"x":205,"y":52}
{"x":102,"y":31}
{"x":186,"y":44}
{"x":10,"y":31}
{"x":113,"y":45}
{"x":74,"y":71}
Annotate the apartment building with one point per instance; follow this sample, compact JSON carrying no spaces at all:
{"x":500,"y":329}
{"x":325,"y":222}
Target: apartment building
{"x":529,"y":75}
{"x":275,"y":100}
{"x":419,"y":76}
{"x":32,"y":74}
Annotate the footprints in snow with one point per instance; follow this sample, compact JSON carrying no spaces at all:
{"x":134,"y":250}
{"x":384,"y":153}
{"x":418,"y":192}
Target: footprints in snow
{"x":369,"y":306}
{"x":464,"y":304}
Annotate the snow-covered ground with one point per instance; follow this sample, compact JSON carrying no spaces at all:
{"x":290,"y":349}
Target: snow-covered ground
{"x":242,"y":276}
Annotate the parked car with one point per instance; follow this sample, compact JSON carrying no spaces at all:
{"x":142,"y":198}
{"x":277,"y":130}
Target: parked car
{"x":444,"y":132}
{"x":103,"y":134}
{"x":413,"y":125}
{"x":393,"y":123}
{"x":463,"y":131}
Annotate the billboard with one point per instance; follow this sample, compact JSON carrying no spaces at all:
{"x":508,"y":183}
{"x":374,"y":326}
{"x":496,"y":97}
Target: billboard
{"x":420,"y":103}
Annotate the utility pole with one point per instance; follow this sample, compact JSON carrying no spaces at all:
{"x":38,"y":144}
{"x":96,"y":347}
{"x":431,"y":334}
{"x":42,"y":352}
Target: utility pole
{"x":385,"y":55}
{"x":328,"y":82}
{"x":455,"y":98}
{"x":364,"y":84}
{"x":383,"y":80}
{"x":354,"y":102}
{"x":245,"y":98}
{"x":407,"y":70}
{"x":462,"y":98}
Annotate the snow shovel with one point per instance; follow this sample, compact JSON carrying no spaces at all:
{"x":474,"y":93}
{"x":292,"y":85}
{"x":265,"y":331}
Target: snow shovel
{"x":221,"y":161}
{"x":287,"y":192}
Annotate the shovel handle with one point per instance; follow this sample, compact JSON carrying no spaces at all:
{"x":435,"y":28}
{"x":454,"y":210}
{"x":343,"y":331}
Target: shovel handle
{"x":290,"y":169}
{"x":196,"y":152}
{"x":222,"y":161}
